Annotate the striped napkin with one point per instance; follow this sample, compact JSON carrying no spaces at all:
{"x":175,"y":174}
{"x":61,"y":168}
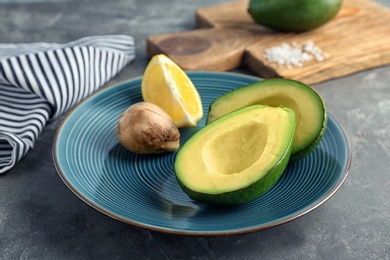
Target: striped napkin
{"x":40,"y":81}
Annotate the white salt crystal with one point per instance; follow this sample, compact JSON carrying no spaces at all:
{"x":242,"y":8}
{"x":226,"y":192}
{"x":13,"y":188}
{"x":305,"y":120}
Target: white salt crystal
{"x":294,"y":54}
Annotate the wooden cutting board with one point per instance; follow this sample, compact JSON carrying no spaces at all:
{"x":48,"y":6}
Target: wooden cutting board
{"x":226,"y":37}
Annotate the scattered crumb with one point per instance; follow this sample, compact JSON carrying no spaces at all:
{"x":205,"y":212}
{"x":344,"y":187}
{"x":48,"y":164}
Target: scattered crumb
{"x":294,"y":54}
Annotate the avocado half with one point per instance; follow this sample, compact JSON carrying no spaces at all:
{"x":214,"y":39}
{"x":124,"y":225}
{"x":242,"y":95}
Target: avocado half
{"x":309,"y":108}
{"x":238,"y":157}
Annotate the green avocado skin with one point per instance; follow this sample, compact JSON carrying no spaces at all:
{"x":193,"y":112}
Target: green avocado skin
{"x":247,"y":194}
{"x":293,"y":15}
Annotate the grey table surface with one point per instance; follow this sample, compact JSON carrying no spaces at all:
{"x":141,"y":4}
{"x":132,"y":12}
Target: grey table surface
{"x":40,"y":218}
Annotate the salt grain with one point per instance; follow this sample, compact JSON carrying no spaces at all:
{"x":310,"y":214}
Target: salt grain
{"x":294,"y":54}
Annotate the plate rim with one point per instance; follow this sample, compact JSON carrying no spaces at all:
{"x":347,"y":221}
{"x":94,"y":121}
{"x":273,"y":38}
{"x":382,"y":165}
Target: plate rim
{"x":139,"y":224}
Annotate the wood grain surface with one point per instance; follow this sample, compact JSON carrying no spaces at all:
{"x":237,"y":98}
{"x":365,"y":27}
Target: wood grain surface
{"x":358,"y":38}
{"x":217,"y":49}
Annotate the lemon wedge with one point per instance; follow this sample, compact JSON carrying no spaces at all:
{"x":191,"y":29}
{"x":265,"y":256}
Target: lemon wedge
{"x":165,"y":84}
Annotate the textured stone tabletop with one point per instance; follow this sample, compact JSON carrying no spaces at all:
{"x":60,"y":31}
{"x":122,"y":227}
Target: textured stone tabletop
{"x":40,"y":218}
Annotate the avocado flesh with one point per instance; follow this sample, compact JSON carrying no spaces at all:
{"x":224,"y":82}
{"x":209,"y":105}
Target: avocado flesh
{"x":293,"y":15}
{"x":238,"y":157}
{"x":309,"y":108}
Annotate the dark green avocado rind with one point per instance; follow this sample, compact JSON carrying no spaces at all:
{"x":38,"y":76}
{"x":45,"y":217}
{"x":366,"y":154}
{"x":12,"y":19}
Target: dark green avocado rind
{"x":246,"y":194}
{"x":293,"y":15}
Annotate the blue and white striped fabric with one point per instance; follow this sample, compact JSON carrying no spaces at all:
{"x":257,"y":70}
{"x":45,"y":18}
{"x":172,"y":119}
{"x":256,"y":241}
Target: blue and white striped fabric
{"x":40,"y":81}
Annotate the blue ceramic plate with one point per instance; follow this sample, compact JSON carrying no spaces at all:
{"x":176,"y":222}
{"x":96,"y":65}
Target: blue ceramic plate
{"x":142,"y":190}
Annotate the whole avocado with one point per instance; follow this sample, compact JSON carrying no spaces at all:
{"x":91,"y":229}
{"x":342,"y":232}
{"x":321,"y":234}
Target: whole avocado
{"x":293,"y":15}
